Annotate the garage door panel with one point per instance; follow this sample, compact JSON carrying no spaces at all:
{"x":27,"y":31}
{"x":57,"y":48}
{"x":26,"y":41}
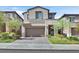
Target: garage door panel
{"x":35,"y":32}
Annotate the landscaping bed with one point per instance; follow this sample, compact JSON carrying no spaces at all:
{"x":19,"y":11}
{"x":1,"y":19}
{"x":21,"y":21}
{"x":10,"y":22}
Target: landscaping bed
{"x":7,"y":37}
{"x":7,"y":40}
{"x":60,"y":39}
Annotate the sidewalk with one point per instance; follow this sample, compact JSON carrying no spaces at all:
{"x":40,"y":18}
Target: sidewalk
{"x":40,"y":46}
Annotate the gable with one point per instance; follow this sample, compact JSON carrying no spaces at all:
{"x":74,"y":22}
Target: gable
{"x":37,"y":8}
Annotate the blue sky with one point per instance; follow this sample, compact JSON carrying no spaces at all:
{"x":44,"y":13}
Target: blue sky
{"x":60,"y":10}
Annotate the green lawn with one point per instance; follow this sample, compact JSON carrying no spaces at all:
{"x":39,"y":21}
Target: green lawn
{"x":63,"y":40}
{"x":7,"y":40}
{"x":7,"y":37}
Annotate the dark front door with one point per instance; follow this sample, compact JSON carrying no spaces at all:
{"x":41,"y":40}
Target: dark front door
{"x":51,"y":30}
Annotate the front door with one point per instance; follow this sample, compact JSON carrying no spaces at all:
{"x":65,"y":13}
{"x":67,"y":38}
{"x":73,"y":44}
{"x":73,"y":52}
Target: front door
{"x":51,"y":30}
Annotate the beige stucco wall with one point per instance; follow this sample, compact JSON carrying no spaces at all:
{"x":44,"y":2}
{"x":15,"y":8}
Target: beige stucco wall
{"x":32,"y":13}
{"x":50,"y":22}
{"x":12,"y":16}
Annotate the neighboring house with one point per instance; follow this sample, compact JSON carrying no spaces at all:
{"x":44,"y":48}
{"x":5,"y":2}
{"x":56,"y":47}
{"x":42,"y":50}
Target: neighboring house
{"x":74,"y":20}
{"x":9,"y":15}
{"x":38,"y":22}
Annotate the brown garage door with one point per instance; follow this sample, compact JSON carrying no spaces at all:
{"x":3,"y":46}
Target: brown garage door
{"x":35,"y":32}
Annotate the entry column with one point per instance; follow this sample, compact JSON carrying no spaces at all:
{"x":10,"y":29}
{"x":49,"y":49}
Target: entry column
{"x":7,"y":28}
{"x":46,"y":31}
{"x":22,"y":31}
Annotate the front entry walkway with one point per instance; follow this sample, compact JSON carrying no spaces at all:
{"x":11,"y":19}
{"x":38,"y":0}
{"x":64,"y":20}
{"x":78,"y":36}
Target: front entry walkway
{"x":31,"y":43}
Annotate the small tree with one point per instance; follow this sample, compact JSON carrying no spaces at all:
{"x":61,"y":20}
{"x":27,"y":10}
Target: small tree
{"x":61,"y":24}
{"x":14,"y":25}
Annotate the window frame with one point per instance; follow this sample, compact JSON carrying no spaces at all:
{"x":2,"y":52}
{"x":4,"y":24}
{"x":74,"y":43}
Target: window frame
{"x":72,"y":18}
{"x":37,"y":15}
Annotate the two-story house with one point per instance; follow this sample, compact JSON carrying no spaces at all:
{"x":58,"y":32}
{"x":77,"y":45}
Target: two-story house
{"x":9,"y":15}
{"x":74,"y":21}
{"x":38,"y":22}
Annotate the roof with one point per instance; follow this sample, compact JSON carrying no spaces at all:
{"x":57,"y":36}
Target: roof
{"x":68,"y":15}
{"x":52,"y":12}
{"x":36,"y":7}
{"x":12,"y":12}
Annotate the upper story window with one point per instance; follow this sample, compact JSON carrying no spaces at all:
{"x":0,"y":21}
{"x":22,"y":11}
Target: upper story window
{"x":50,"y":16}
{"x":14,"y":15}
{"x":39,"y":15}
{"x":8,"y":14}
{"x":72,"y":18}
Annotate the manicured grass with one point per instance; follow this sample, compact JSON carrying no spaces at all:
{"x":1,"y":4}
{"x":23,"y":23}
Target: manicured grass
{"x":7,"y":40}
{"x":63,"y":40}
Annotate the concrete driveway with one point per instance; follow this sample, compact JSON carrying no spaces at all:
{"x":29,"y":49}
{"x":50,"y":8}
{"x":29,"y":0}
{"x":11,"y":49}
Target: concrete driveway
{"x":35,"y":40}
{"x":31,"y":43}
{"x":37,"y":43}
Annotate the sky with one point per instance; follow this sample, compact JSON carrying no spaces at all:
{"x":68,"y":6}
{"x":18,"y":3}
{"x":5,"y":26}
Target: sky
{"x":60,"y":10}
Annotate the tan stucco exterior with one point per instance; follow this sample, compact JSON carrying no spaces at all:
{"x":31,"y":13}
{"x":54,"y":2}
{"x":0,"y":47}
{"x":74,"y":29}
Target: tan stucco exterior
{"x":31,"y":14}
{"x":31,"y":21}
{"x":10,"y":15}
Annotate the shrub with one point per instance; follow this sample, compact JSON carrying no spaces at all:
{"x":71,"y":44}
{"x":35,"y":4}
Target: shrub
{"x":49,"y":36}
{"x":4,"y":35}
{"x":12,"y":35}
{"x":73,"y":38}
{"x":59,"y":35}
{"x":8,"y":35}
{"x":56,"y":41}
{"x":64,"y":40}
{"x":17,"y":36}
